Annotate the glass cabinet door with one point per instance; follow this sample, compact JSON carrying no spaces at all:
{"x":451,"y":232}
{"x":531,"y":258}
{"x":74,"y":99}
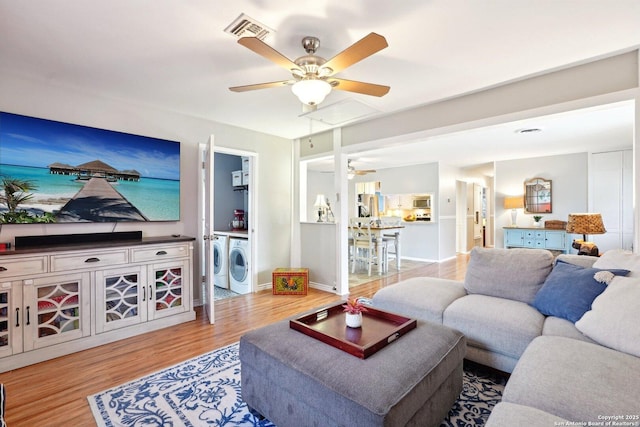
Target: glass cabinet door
{"x":10,"y":318}
{"x":56,"y":309}
{"x":121,"y":298}
{"x":168,"y":289}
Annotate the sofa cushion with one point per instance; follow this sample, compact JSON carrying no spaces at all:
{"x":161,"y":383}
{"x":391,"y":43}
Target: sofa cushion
{"x":495,"y":324}
{"x":613,"y":319}
{"x":559,"y":327}
{"x":569,"y":291}
{"x":506,"y":414}
{"x":424,"y":298}
{"x":515,"y":274}
{"x":618,"y":258}
{"x":581,"y":260}
{"x":575,"y":380}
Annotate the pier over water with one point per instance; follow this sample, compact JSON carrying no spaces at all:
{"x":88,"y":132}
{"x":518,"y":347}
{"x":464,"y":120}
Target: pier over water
{"x":98,"y":201}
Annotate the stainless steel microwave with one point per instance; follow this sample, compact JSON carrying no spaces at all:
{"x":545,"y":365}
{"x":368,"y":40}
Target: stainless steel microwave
{"x":422,"y":202}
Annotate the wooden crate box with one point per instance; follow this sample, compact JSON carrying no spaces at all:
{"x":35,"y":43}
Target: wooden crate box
{"x":290,"y":281}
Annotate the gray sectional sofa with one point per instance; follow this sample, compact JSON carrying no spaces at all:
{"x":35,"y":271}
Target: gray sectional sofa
{"x":569,"y":337}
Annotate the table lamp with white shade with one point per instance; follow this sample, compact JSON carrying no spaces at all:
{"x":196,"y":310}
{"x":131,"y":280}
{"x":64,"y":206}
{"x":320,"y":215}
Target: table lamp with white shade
{"x":514,"y":203}
{"x":321,"y":205}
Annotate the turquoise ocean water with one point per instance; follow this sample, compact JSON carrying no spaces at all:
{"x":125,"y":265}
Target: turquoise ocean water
{"x":157,"y":199}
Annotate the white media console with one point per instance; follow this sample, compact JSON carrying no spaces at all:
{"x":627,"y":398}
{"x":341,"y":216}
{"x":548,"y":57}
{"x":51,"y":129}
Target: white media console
{"x":60,"y":299}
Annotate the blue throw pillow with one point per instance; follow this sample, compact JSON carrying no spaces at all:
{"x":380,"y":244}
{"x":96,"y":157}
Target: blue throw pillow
{"x":569,"y":291}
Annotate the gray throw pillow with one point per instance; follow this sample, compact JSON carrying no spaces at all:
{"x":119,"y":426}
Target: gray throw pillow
{"x":515,"y":274}
{"x":613,"y":318}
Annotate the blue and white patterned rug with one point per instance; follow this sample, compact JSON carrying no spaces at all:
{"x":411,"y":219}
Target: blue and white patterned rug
{"x":206,"y":391}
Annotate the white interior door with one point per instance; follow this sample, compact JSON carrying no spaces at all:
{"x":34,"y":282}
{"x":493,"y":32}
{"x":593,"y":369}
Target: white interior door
{"x":206,"y":199}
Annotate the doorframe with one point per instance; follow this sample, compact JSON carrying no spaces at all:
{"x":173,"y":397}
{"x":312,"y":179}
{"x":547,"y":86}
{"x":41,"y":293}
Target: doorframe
{"x":253,"y":230}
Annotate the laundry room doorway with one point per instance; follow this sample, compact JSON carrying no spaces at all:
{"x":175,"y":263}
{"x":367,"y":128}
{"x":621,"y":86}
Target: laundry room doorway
{"x":227,"y":200}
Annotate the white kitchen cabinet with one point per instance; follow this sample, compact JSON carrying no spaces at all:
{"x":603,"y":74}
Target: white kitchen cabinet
{"x":66,"y":300}
{"x":405,"y":201}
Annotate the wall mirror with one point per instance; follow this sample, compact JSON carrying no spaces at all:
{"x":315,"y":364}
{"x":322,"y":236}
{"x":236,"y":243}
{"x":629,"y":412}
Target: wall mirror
{"x":537,"y":195}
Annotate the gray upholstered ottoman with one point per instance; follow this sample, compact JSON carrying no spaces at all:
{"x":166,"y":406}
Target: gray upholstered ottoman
{"x":295,"y":380}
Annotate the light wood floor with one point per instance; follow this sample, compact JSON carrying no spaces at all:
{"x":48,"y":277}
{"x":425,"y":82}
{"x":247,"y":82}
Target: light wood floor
{"x":54,"y":393}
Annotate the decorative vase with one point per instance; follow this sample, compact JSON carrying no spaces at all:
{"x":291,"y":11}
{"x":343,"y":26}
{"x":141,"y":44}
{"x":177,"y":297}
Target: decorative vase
{"x":537,"y":224}
{"x":353,"y":320}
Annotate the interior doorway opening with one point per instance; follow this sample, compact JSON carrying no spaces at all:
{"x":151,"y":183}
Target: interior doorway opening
{"x":239,"y":228}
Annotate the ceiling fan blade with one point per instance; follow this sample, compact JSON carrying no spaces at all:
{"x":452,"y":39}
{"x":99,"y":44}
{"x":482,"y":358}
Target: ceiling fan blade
{"x":263,"y":49}
{"x":364,"y":171}
{"x":261,"y":86}
{"x":359,"y":87}
{"x":358,"y":51}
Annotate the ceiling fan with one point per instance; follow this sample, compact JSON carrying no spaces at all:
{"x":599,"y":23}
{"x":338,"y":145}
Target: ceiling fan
{"x":312,"y":76}
{"x":352,"y":171}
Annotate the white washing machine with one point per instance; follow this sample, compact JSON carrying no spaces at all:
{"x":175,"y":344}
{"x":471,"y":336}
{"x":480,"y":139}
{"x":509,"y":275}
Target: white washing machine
{"x":239,"y":265}
{"x":221,"y":260}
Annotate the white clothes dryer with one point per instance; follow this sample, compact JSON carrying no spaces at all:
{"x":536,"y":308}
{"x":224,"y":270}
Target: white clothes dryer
{"x":221,"y":261}
{"x":239,"y":265}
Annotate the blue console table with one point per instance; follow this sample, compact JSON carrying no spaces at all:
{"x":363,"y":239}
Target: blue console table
{"x":540,"y":238}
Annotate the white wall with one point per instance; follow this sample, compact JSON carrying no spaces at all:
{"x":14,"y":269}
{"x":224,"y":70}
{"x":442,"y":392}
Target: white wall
{"x":42,"y":99}
{"x":319,"y":183}
{"x":447,"y":211}
{"x":318,"y":254}
{"x":226,"y":200}
{"x":568,"y":175}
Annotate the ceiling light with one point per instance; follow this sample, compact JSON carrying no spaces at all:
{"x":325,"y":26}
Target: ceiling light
{"x":311,"y":91}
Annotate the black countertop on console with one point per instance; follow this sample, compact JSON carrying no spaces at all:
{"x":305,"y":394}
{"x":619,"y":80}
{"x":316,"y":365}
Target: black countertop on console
{"x":98,"y":245}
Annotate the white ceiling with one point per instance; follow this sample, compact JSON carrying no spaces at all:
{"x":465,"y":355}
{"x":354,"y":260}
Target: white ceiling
{"x":595,"y":129}
{"x":174,"y":55}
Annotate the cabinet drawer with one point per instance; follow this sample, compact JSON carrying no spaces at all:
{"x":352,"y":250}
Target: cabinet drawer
{"x":88,"y":260}
{"x":21,"y":266}
{"x":159,"y":253}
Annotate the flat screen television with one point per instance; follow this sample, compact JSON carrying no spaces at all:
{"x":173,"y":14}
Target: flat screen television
{"x":60,"y":173}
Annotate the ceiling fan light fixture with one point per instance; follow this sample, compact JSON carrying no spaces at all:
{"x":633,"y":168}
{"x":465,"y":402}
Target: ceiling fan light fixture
{"x":311,"y":91}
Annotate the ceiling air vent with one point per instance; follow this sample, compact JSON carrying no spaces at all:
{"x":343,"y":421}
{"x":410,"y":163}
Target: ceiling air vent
{"x":245,"y":26}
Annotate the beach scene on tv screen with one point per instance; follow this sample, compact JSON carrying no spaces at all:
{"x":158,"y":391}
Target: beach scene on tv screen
{"x":54,"y":172}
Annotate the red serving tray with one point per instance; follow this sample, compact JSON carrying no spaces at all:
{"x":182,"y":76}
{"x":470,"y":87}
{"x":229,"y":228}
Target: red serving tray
{"x":379,"y":329}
